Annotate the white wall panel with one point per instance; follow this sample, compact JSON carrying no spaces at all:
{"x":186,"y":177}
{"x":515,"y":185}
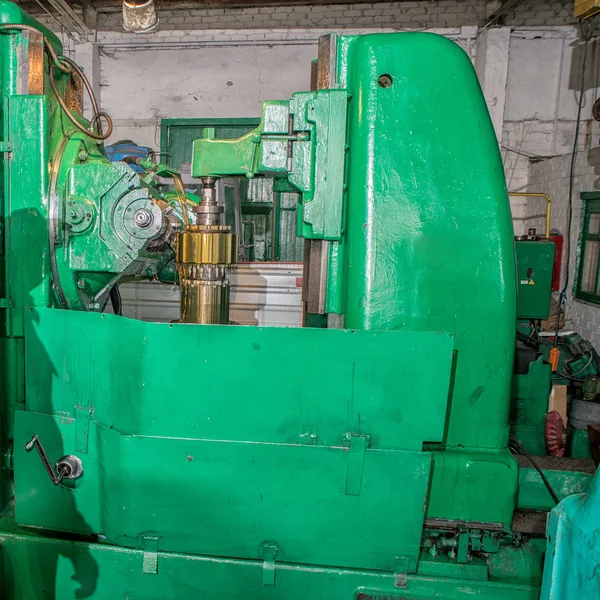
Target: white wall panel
{"x":265,"y":294}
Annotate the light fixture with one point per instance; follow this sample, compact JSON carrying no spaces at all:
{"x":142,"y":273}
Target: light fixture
{"x":139,"y":16}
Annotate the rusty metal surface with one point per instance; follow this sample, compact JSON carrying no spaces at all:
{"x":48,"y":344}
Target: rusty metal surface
{"x":33,"y":75}
{"x":530,"y":521}
{"x":316,"y":252}
{"x":74,"y":94}
{"x":556,"y":463}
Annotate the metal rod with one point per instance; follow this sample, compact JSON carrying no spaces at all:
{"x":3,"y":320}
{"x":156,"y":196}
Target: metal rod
{"x":64,"y":9}
{"x":35,"y":443}
{"x":548,"y":205}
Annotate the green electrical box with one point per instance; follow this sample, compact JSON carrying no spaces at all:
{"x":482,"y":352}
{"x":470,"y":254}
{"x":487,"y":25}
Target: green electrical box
{"x":535,"y":260}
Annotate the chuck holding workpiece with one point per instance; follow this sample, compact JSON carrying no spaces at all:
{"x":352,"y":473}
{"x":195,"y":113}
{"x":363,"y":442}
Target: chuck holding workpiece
{"x":205,"y":253}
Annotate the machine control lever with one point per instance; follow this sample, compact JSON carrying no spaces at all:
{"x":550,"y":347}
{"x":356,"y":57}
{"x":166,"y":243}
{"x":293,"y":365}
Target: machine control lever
{"x":67,"y":467}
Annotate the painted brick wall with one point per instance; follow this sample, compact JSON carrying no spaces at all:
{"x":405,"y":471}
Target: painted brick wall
{"x":541,"y":12}
{"x":410,"y":14}
{"x":552,"y":175}
{"x":544,"y":74}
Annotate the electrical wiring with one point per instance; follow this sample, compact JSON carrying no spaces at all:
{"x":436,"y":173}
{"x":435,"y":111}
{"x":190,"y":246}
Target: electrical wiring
{"x":524,"y":452}
{"x":586,"y":33}
{"x":67,"y":66}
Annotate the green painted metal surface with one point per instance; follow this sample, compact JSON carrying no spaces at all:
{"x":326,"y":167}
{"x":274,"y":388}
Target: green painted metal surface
{"x":529,"y":398}
{"x":578,"y":443}
{"x":177,"y":135}
{"x":533,"y":493}
{"x":456,"y":244}
{"x":316,"y":166}
{"x":319,"y":460}
{"x":535,"y":260}
{"x":67,"y":226}
{"x":587,"y":283}
{"x":317,"y":483}
{"x":415,"y":250}
{"x":573,"y":547}
{"x":100,"y":572}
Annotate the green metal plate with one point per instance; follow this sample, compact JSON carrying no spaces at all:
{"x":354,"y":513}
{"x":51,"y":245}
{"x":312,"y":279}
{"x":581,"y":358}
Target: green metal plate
{"x":535,"y":261}
{"x":309,"y":386}
{"x":67,"y":569}
{"x":228,"y":498}
{"x":322,"y":459}
{"x":533,"y":493}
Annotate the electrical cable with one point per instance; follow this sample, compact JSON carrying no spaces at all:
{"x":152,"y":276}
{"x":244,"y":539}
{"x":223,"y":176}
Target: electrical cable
{"x":95,"y":117}
{"x":48,"y":46}
{"x":537,"y":468}
{"x":573,"y":376}
{"x":66,"y":65}
{"x":586,"y":33}
{"x":115,"y":300}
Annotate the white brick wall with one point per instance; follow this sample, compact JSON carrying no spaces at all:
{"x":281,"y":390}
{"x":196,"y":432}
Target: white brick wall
{"x":552,"y":176}
{"x":541,"y":103}
{"x":395,"y":15}
{"x":409,"y":14}
{"x":541,"y":12}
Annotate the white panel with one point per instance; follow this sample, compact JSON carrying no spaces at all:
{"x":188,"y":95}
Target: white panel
{"x":265,"y":294}
{"x":139,"y":87}
{"x":533,"y":73}
{"x":491,"y":65}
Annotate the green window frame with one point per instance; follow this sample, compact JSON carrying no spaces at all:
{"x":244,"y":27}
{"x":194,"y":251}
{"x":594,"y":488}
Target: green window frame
{"x":588,"y":264}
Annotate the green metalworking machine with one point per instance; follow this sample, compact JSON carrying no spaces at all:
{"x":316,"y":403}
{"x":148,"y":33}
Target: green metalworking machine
{"x":372,"y":462}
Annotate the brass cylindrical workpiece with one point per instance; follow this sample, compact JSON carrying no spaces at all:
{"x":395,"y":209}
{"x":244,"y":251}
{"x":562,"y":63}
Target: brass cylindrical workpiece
{"x":205,"y":253}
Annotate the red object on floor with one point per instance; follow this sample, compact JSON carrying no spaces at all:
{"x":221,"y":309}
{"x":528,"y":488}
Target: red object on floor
{"x":555,"y":434}
{"x":558,"y":247}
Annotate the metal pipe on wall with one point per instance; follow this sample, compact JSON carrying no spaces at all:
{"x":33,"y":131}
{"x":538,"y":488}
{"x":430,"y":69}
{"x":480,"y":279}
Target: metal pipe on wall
{"x":548,"y":205}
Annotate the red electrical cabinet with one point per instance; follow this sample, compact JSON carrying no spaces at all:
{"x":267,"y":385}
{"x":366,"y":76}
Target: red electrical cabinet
{"x":558,"y":246}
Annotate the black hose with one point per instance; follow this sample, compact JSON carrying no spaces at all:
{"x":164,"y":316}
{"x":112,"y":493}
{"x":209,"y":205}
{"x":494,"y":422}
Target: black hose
{"x":115,"y":300}
{"x":66,"y":65}
{"x":537,"y":468}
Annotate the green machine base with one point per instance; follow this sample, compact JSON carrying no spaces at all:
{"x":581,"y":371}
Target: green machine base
{"x":36,"y":568}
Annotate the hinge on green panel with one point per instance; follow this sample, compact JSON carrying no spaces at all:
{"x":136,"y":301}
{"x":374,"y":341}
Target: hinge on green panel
{"x":5,"y":147}
{"x":356,"y":461}
{"x":82,"y":428}
{"x":6,"y":303}
{"x":269,"y":553}
{"x":401,"y":565}
{"x":150,"y":549}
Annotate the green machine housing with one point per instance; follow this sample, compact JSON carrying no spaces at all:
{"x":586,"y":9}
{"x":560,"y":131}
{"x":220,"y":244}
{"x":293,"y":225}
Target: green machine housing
{"x":535,"y":260}
{"x":372,"y":461}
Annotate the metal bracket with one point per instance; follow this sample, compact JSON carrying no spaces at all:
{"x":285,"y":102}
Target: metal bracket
{"x":462,"y":552}
{"x":150,"y":557}
{"x":6,"y":303}
{"x":400,"y":572}
{"x":82,"y":428}
{"x":5,"y":147}
{"x":356,"y":462}
{"x":269,"y":552}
